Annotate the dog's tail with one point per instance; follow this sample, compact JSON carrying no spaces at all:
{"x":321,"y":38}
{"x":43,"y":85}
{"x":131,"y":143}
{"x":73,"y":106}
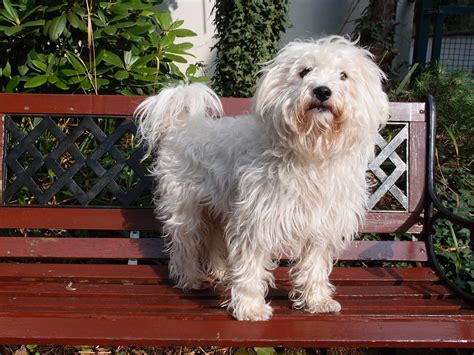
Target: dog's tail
{"x":160,"y":113}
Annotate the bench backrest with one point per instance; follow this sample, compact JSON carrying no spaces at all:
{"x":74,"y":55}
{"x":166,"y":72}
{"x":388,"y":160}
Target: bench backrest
{"x":70,"y":162}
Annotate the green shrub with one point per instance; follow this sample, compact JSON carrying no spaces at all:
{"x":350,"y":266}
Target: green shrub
{"x":126,"y":47}
{"x":248,"y":34}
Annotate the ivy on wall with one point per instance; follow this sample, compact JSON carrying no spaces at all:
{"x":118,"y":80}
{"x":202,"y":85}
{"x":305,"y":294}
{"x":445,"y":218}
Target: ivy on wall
{"x":248,"y":34}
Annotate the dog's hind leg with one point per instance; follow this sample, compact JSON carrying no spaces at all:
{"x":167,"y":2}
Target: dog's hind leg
{"x":215,"y":251}
{"x":185,"y":231}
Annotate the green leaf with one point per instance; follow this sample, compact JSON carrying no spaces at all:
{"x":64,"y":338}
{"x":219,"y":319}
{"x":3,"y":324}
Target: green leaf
{"x":34,"y":23}
{"x":143,"y":61}
{"x":57,"y":27}
{"x":120,"y":9}
{"x":76,"y":63}
{"x":52,"y":79}
{"x":121,"y":75}
{"x":11,"y":11}
{"x":7,"y":70}
{"x":176,"y":24}
{"x":164,"y":19}
{"x":31,"y":11}
{"x":168,"y":39}
{"x":12,"y":84}
{"x":113,"y":59}
{"x":74,"y":20}
{"x":175,"y":58}
{"x":191,"y":70}
{"x":110,"y":30}
{"x":13,"y":30}
{"x":61,"y":84}
{"x":184,"y":33}
{"x":180,"y":47}
{"x":40,"y":65}
{"x":68,"y":72}
{"x":265,"y":351}
{"x":36,"y":81}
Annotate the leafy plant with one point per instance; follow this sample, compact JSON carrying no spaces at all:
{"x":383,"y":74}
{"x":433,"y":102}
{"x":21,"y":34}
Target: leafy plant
{"x":248,"y":34}
{"x":125,"y":46}
{"x":375,"y":29}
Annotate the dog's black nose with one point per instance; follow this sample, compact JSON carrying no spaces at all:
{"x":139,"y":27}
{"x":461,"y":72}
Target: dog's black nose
{"x":322,"y":93}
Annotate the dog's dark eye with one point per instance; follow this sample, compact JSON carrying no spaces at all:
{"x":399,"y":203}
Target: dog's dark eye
{"x":305,"y":71}
{"x":343,"y":75}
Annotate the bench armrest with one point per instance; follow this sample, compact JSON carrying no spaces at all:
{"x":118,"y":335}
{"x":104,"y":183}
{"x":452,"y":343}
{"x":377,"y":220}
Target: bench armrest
{"x":434,"y":201}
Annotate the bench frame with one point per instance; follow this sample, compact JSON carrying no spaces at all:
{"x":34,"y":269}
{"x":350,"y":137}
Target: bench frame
{"x":120,"y":304}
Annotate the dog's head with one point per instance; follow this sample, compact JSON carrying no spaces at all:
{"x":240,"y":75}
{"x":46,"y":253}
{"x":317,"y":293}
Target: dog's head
{"x":321,"y":96}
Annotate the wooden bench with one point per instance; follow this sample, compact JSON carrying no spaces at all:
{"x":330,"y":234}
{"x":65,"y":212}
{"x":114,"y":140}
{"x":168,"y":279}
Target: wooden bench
{"x":69,"y":274}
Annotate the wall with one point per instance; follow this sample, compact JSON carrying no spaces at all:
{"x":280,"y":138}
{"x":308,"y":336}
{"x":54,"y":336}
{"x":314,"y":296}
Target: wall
{"x":309,"y":18}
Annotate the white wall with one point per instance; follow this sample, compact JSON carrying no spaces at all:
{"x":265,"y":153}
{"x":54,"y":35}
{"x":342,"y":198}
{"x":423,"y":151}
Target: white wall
{"x":312,"y":18}
{"x":197,"y":16}
{"x":309,"y":18}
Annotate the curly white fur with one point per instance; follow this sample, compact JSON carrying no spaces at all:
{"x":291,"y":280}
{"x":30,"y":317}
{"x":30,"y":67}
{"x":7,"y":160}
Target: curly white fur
{"x":288,"y":179}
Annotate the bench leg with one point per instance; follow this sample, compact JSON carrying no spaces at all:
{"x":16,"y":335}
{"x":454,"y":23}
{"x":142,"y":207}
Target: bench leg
{"x":250,"y":277}
{"x":309,"y":275}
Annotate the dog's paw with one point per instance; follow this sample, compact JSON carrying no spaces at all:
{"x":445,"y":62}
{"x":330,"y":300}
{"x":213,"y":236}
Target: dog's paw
{"x":324,"y":305}
{"x":253,"y":312}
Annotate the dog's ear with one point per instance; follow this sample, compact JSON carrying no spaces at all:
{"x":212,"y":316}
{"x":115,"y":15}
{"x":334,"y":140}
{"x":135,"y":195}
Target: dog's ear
{"x":372,"y":92}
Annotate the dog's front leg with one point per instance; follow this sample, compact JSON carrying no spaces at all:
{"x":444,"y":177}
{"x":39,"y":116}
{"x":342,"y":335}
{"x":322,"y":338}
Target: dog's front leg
{"x":312,"y":290}
{"x":250,"y":276}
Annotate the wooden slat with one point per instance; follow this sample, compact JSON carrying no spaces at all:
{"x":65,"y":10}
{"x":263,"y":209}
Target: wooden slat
{"x":407,"y":112}
{"x":78,"y":218}
{"x":124,"y":248}
{"x":386,"y":250}
{"x":289,"y":333}
{"x":166,"y":293}
{"x":80,"y":248}
{"x":154,"y":274}
{"x":106,"y":105}
{"x":211,"y":309}
{"x":2,"y":154}
{"x":392,"y":222}
{"x":144,"y":219}
{"x":116,"y":105}
{"x":417,"y":152}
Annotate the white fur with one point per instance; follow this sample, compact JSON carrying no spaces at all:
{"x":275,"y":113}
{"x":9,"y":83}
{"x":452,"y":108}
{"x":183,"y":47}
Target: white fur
{"x":288,"y":179}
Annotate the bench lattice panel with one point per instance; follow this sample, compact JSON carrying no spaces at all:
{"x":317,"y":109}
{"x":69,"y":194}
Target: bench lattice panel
{"x":110,"y":173}
{"x":386,"y":190}
{"x":68,"y":169}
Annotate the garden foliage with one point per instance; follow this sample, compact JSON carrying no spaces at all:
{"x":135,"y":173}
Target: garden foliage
{"x":454,"y":96}
{"x":124,"y":46}
{"x":248,"y":35}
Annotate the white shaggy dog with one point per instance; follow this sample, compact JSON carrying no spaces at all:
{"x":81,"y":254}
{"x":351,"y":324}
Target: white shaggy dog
{"x":288,"y":179}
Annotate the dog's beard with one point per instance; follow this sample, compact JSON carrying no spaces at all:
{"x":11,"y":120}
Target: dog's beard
{"x":318,"y":124}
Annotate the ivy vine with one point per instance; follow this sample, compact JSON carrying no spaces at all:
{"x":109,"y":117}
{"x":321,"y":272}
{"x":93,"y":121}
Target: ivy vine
{"x":248,"y":34}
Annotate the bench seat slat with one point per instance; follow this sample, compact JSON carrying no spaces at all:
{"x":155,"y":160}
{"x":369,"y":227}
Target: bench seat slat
{"x":73,"y":307}
{"x":125,"y":248}
{"x":65,"y":289}
{"x":150,"y":274}
{"x":143,"y":219}
{"x":210,"y":310}
{"x":290,"y":333}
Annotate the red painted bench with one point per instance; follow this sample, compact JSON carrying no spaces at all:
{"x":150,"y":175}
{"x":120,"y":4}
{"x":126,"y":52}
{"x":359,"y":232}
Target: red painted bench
{"x":81,"y":260}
